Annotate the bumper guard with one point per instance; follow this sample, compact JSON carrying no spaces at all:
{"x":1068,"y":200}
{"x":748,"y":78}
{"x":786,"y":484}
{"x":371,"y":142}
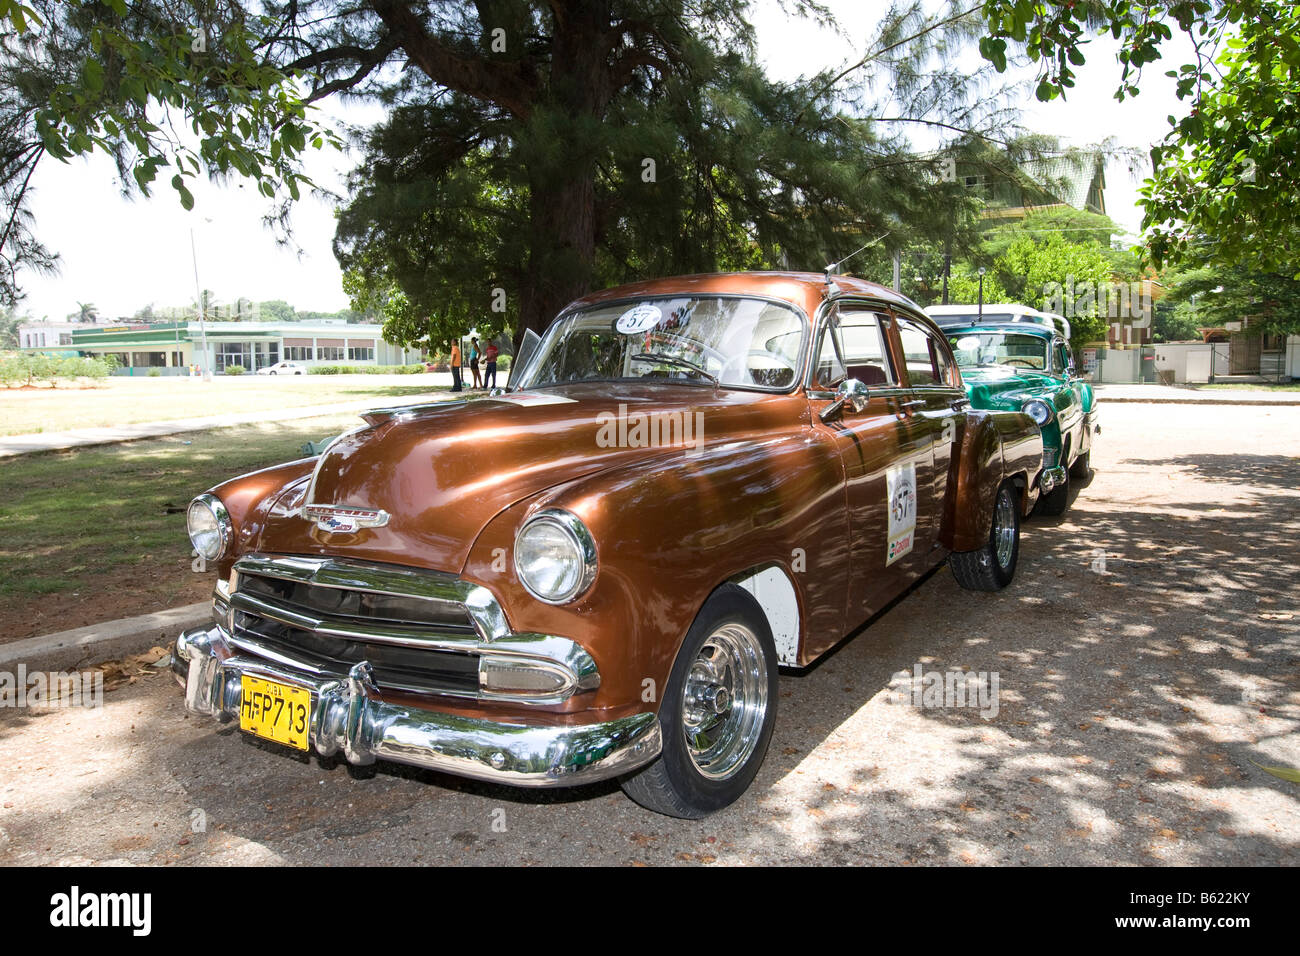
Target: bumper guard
{"x":348,"y":715}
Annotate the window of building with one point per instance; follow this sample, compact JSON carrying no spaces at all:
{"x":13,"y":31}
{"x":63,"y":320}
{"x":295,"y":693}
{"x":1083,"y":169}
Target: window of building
{"x":234,"y":353}
{"x":297,"y":353}
{"x":330,"y":353}
{"x":361,"y":354}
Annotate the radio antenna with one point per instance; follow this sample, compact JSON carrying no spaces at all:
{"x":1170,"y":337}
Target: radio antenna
{"x":833,"y":268}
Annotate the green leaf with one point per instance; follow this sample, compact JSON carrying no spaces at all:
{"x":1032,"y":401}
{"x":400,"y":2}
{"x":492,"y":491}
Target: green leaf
{"x":1285,"y":773}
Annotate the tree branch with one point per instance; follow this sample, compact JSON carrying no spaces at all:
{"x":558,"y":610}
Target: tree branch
{"x":512,"y":85}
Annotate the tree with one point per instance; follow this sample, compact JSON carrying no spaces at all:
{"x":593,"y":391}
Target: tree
{"x":78,"y":76}
{"x":10,"y":319}
{"x":86,"y":312}
{"x":276,"y":310}
{"x":543,"y":149}
{"x":1208,"y":294}
{"x":1225,"y":171}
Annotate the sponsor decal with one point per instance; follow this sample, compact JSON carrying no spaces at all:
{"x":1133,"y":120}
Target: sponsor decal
{"x":638,"y":319}
{"x":900,"y":490}
{"x":334,"y":519}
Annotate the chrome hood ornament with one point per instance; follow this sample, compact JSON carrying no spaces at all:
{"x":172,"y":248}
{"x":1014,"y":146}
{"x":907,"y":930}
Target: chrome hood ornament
{"x":340,"y":519}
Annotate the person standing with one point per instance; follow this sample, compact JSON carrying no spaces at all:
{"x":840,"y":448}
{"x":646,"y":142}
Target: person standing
{"x":474,"y":356}
{"x":456,"y":385}
{"x":490,"y":376}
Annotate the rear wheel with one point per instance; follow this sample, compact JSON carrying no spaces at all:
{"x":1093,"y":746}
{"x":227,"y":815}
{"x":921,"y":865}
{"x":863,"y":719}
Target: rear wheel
{"x":992,"y":567}
{"x":717,"y":713}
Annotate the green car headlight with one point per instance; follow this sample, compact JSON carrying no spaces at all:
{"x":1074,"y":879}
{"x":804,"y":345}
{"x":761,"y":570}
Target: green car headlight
{"x":555,"y":556}
{"x":1039,"y":411}
{"x":209,"y":526}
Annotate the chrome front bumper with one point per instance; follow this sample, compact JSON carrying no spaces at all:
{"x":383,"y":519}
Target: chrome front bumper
{"x":348,"y":715}
{"x":1050,"y":478}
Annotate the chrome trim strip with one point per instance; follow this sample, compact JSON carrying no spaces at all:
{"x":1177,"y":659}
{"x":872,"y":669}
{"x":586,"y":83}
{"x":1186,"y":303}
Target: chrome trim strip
{"x":348,"y":715}
{"x":429,"y":639}
{"x":341,"y":573}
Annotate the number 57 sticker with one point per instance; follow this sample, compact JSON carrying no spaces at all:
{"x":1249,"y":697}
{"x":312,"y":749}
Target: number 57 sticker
{"x":900,"y":492}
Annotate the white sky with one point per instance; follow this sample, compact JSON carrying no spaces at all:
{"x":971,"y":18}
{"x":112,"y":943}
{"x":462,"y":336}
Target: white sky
{"x":122,"y":254}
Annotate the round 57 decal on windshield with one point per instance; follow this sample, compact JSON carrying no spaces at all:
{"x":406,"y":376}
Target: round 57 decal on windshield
{"x":638,"y":319}
{"x":900,"y":485}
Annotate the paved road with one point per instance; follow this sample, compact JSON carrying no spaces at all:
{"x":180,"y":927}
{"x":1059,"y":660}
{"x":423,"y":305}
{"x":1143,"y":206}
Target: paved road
{"x":1135,"y":703}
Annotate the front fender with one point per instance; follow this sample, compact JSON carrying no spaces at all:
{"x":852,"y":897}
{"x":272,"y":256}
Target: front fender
{"x":669,"y":530}
{"x":994,"y":446}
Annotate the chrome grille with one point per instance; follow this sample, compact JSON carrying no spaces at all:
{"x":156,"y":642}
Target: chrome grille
{"x":323,"y":616}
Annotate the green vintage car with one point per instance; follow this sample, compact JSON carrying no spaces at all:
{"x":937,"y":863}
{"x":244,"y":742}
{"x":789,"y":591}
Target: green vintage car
{"x":1027,"y":366}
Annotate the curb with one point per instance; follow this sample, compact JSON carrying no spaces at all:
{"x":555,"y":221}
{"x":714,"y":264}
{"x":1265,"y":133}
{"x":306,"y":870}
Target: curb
{"x":1262,"y":402}
{"x":68,"y":650}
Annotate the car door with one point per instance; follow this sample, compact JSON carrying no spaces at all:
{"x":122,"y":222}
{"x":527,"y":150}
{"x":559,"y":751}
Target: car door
{"x":874,"y":448}
{"x":1071,"y":410}
{"x":933,"y":410}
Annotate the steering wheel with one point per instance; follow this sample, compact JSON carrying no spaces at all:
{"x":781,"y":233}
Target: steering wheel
{"x":740,"y":361}
{"x":1027,"y":363}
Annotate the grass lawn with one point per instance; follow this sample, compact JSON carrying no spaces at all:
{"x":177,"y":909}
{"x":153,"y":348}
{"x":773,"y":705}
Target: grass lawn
{"x":98,"y":534}
{"x":127,"y":401}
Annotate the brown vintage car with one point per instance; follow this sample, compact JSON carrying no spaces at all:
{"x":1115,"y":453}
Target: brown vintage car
{"x":597,"y":571}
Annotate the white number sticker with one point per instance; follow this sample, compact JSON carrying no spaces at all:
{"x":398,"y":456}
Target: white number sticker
{"x":900,"y":490}
{"x":638,"y":319}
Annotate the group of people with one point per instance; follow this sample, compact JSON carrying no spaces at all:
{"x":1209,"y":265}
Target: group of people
{"x":487,"y":356}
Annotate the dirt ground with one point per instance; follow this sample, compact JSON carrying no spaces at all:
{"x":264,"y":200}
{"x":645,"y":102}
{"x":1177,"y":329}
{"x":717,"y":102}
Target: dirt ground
{"x":1138,"y":701}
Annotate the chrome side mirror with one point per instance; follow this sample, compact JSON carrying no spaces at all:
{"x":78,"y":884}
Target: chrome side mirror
{"x":852,"y":392}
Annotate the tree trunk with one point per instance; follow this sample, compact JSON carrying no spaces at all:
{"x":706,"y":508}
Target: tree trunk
{"x":563,"y":250}
{"x":562,"y":181}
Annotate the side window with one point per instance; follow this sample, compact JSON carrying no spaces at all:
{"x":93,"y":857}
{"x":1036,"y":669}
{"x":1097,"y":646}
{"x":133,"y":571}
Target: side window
{"x":852,"y":347}
{"x":1062,"y":357}
{"x":926,"y":362}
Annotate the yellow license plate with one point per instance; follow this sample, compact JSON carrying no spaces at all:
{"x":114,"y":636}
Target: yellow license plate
{"x":275,"y":711}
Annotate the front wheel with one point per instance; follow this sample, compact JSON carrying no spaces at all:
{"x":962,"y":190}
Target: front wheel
{"x":717,"y":713}
{"x":992,"y":567}
{"x":1082,"y":466}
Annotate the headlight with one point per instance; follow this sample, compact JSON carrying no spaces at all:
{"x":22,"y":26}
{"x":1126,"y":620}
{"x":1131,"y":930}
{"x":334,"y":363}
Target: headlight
{"x":209,"y":526}
{"x":555,"y":557}
{"x":1038,"y":410}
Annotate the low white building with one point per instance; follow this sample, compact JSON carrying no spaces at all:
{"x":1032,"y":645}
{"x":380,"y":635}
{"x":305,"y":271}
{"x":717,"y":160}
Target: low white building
{"x":172,"y":347}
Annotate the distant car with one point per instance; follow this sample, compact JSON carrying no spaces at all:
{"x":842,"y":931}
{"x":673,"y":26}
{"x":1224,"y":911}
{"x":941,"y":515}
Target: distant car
{"x":283,"y":368}
{"x":595,"y":572}
{"x":997,"y":313}
{"x":1027,"y":366}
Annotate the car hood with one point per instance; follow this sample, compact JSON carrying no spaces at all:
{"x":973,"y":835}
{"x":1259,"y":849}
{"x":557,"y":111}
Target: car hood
{"x":993,"y":382}
{"x":441,"y":472}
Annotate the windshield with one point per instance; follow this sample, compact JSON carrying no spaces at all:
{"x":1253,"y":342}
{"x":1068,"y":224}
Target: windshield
{"x":1000,"y":348}
{"x":735,"y":342}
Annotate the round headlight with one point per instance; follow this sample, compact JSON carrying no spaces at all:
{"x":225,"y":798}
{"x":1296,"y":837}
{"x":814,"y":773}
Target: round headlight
{"x":1038,"y":410}
{"x":555,"y":557}
{"x":208,"y":523}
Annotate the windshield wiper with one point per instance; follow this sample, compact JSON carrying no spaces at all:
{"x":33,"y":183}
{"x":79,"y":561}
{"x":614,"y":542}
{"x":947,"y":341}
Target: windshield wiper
{"x":674,"y":360}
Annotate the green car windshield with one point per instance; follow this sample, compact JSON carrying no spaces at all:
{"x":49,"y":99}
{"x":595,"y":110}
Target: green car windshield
{"x":1000,"y":348}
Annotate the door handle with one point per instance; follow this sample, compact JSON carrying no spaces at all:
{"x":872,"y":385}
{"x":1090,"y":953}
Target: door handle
{"x":912,"y":404}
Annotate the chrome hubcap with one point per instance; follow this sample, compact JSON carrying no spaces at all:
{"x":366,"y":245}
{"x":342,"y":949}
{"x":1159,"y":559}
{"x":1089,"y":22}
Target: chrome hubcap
{"x":1004,"y":528}
{"x":724,"y":704}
